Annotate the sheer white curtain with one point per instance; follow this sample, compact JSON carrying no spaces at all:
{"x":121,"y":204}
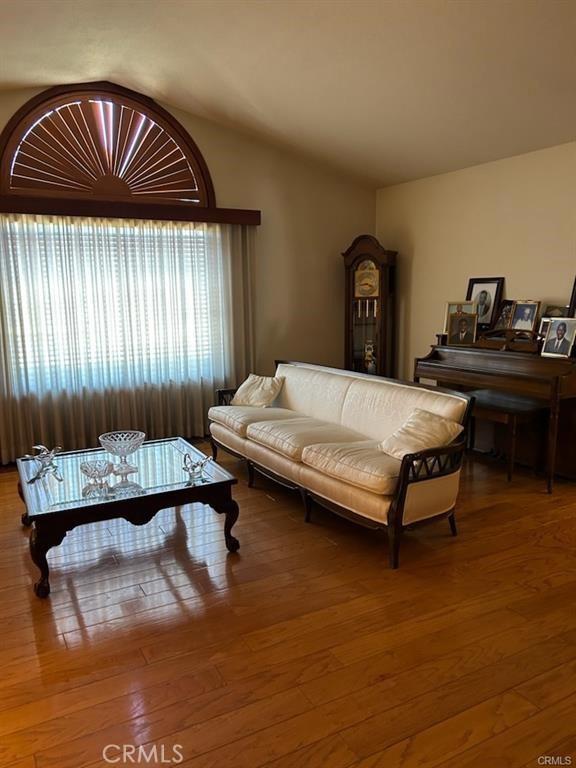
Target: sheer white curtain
{"x":111,"y":324}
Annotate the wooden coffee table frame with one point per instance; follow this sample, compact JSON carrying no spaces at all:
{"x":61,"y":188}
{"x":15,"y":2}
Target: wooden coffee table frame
{"x":50,"y":528}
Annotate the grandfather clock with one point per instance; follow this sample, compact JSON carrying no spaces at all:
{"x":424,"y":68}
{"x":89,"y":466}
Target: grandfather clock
{"x":370,"y":307}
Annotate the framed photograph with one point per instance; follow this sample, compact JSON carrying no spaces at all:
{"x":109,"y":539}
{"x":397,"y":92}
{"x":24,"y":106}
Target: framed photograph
{"x":525,"y":315}
{"x":462,"y":328}
{"x":457,"y":307}
{"x":486,"y":293}
{"x":556,"y":310}
{"x":572,"y":307}
{"x":559,"y":338}
{"x":504,"y":316}
{"x":543,"y":329}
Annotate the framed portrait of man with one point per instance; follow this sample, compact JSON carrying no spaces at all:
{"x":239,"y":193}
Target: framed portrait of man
{"x":559,"y":338}
{"x":486,"y":293}
{"x":454,"y":307}
{"x":525,"y":315}
{"x":462,"y":329}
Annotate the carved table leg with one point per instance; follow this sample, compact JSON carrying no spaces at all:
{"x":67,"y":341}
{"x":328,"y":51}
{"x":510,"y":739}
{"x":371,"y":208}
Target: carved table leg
{"x":232,"y":544}
{"x":40,"y":542}
{"x":25,"y":520}
{"x":231,"y":510}
{"x":38,"y":551}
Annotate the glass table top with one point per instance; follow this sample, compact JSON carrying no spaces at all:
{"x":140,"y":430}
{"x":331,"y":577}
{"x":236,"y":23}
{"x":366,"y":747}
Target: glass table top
{"x":159,"y":468}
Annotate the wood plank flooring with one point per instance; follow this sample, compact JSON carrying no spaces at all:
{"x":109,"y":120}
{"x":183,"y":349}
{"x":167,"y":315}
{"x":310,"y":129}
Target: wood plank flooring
{"x":302,"y":650}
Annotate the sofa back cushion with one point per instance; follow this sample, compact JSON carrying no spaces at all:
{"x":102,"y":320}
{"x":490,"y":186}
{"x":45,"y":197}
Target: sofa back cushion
{"x":379,"y":408}
{"x":313,"y":392}
{"x":374,"y":407}
{"x":422,"y":431}
{"x":258,"y":391}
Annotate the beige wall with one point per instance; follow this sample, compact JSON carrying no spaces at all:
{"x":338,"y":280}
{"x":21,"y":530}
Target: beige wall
{"x":310,"y":214}
{"x":514,"y":218}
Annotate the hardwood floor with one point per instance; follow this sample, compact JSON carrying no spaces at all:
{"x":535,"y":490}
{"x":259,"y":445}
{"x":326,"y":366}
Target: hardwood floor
{"x":303,"y":650}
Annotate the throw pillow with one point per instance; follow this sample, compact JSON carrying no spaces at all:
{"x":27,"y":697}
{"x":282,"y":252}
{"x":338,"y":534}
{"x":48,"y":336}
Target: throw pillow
{"x":420,"y":431}
{"x":259,"y":391}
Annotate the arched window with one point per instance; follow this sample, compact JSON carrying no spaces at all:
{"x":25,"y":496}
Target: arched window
{"x":102,"y":150}
{"x":124,"y":291}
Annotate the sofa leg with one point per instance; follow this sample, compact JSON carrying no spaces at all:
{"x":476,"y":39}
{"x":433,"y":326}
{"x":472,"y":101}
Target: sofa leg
{"x":394,"y":546}
{"x":452,"y":521}
{"x":214,"y":449}
{"x":250,"y":474}
{"x":307,"y":501}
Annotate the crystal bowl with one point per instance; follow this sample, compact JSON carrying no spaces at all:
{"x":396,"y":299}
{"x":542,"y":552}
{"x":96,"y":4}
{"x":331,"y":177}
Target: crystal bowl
{"x":96,"y":470}
{"x":125,"y":489}
{"x":122,"y":443}
{"x":96,"y":491}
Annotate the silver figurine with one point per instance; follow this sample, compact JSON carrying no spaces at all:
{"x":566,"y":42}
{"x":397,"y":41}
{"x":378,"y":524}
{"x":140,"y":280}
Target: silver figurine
{"x":195,"y":468}
{"x":45,"y":461}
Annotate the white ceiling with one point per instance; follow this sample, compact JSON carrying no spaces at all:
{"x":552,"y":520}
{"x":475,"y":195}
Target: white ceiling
{"x":389,"y":89}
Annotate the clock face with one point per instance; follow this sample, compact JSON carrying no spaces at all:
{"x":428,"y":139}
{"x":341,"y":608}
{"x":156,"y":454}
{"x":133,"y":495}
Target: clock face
{"x":366,"y":280}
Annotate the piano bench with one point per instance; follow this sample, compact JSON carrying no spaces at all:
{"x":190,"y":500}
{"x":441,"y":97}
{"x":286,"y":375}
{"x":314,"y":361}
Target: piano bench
{"x":502,"y":408}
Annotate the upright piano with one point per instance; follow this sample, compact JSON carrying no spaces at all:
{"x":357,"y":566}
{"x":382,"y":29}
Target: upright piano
{"x":549,"y":379}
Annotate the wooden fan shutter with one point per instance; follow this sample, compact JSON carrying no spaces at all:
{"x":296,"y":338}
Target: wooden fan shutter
{"x":98,"y":149}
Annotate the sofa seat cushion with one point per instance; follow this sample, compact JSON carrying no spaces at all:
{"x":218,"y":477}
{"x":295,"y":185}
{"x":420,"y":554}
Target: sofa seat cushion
{"x":290,"y":436}
{"x":361,"y":464}
{"x":239,"y":417}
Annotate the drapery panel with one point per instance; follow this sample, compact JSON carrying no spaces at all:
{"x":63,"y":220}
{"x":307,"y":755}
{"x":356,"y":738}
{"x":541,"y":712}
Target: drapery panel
{"x":117,"y":324}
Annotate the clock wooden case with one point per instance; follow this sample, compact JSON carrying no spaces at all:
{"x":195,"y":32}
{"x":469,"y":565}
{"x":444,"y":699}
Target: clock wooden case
{"x":370,"y":307}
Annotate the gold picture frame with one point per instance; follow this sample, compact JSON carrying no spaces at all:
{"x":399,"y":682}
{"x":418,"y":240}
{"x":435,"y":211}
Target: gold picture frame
{"x":457,"y":307}
{"x":462,"y":329}
{"x":525,"y":315}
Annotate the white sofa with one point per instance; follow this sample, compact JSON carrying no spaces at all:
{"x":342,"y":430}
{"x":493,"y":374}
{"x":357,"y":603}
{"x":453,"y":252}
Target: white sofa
{"x":321,"y":434}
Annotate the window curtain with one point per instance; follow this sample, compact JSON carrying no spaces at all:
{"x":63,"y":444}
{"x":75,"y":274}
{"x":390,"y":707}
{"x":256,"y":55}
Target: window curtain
{"x":117,"y":324}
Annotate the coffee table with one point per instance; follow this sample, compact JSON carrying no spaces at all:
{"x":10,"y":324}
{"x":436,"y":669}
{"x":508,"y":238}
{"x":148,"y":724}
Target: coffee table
{"x":54,"y":507}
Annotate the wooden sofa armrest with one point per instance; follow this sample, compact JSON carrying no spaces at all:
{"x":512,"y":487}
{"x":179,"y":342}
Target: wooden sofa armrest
{"x":225,"y":396}
{"x":419,"y":467}
{"x":431,"y":463}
